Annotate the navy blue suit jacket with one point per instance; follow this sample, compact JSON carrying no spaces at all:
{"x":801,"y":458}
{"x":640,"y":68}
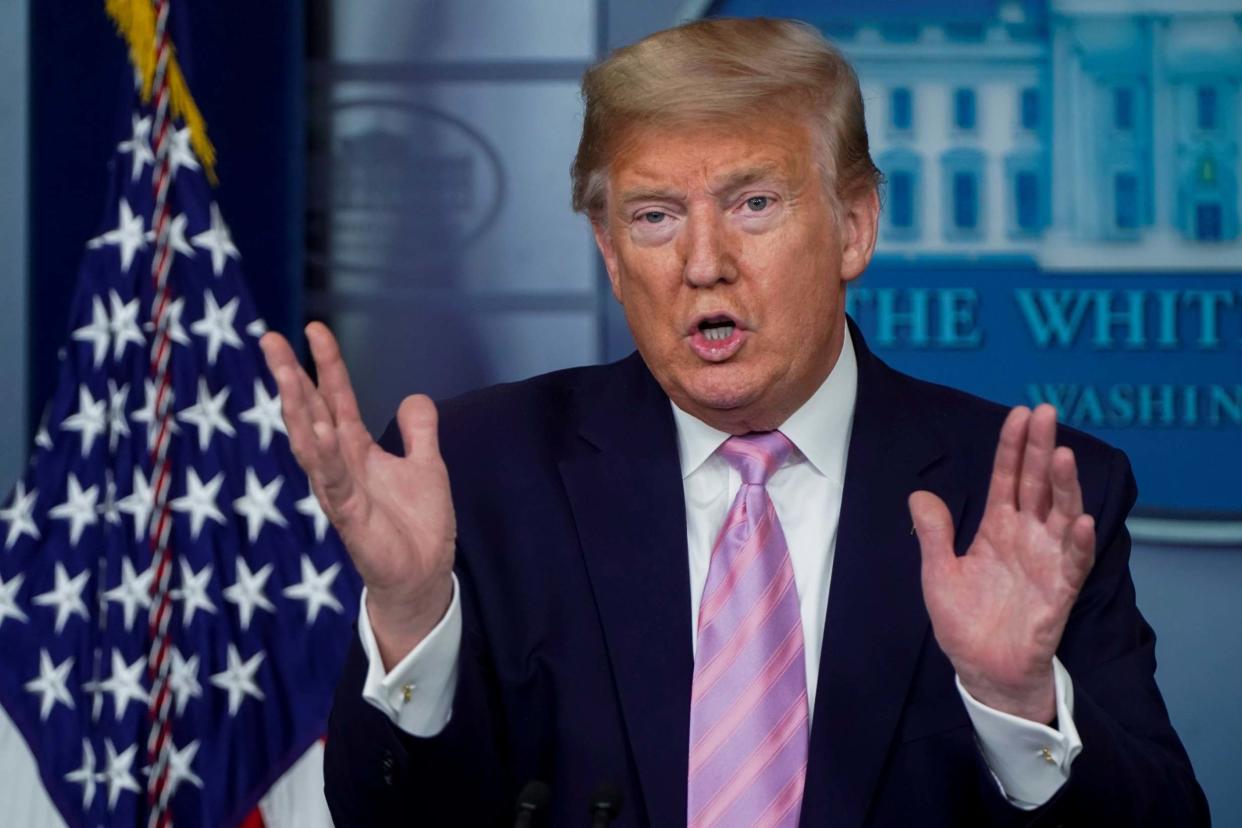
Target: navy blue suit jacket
{"x":576,"y":662}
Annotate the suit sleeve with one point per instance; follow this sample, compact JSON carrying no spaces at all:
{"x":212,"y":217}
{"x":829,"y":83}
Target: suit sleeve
{"x":375,"y":774}
{"x":1133,"y":769}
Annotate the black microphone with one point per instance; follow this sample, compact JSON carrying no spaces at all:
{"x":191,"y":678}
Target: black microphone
{"x":605,"y":805}
{"x":533,"y":799}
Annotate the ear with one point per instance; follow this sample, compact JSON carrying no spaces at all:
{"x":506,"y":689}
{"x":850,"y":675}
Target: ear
{"x":859,"y":222}
{"x":603,"y":240}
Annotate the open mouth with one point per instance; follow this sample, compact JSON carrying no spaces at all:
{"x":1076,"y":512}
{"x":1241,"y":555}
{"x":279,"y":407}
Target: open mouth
{"x":717,"y":338}
{"x":717,"y":330}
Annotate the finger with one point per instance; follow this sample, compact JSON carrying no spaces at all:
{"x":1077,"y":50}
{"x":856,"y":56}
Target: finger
{"x":334,"y":382}
{"x":418,"y":421}
{"x":1003,"y":488}
{"x":1080,"y":549}
{"x":318,"y":409}
{"x":1034,"y":486}
{"x":333,"y":478}
{"x":934,"y":527}
{"x":279,"y":355}
{"x":276,"y":351}
{"x":1066,"y":490}
{"x":298,"y":422}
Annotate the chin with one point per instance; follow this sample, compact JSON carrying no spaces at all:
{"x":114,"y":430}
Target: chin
{"x":723,"y":397}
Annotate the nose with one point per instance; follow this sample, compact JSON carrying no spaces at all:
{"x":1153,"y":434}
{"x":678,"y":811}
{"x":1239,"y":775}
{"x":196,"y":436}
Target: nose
{"x":707,"y":256}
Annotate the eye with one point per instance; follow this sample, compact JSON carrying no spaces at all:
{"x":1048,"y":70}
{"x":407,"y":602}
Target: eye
{"x":652,"y":217}
{"x":757,"y":204}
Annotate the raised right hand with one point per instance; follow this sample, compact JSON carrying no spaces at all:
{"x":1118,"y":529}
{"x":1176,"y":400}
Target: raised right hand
{"x":394,"y":514}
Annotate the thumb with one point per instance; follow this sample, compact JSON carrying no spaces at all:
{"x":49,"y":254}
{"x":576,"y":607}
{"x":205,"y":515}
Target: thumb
{"x":418,"y":420}
{"x":934,"y":526}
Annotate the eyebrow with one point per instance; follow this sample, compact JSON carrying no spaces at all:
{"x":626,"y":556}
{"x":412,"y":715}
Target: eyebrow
{"x":650,"y":194}
{"x":730,"y":184}
{"x":739,"y":179}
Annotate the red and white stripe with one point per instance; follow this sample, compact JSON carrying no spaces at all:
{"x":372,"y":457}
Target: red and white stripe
{"x":159,"y":738}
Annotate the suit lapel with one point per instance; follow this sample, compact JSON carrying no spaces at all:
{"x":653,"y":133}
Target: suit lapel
{"x":876,"y":622}
{"x":623,"y":480}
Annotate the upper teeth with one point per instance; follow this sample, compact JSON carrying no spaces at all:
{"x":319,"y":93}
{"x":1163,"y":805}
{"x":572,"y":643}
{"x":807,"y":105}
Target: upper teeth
{"x":715,"y":334}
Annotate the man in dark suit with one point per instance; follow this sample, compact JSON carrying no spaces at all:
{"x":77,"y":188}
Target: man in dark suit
{"x":750,"y":575}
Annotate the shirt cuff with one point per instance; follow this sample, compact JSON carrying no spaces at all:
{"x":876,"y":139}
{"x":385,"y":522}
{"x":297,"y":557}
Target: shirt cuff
{"x":417,"y":694}
{"x":1029,"y":761}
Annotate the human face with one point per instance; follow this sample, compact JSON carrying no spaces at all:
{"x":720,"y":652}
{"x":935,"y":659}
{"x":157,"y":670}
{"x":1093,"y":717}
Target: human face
{"x":723,"y":247}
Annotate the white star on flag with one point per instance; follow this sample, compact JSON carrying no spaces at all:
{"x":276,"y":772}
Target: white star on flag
{"x":311,"y":507}
{"x":179,"y":768}
{"x":207,"y":414}
{"x":111,"y":513}
{"x":180,"y":153}
{"x":199,"y":501}
{"x":66,"y":596}
{"x":50,"y":684}
{"x":128,"y":235}
{"x":138,"y":504}
{"x":124,"y":324}
{"x":264,"y":414}
{"x":19,"y":515}
{"x":183,"y":680}
{"x":89,"y":419}
{"x":216,"y":326}
{"x":118,"y":425}
{"x":85,"y":775}
{"x":125,"y":683}
{"x":315,"y":589}
{"x":258,"y":504}
{"x":94,"y":689}
{"x":193,"y":592}
{"x":134,"y":591}
{"x":217,"y":240}
{"x":238,"y":679}
{"x":257,"y":328}
{"x":8,"y":599}
{"x":176,"y":236}
{"x":117,"y":772}
{"x":146,"y":414}
{"x":247,"y":592}
{"x":172,"y":322}
{"x":139,"y":146}
{"x":78,"y":508}
{"x":98,"y":332}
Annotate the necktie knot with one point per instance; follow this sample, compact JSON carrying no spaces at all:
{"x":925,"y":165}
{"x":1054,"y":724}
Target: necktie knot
{"x":756,"y":455}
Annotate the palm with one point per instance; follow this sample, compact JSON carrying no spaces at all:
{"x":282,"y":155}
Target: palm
{"x":999,"y":610}
{"x":402,"y":523}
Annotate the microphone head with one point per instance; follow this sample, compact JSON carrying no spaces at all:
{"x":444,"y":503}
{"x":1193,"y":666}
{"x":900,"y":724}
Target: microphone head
{"x":607,"y":800}
{"x":534,"y":797}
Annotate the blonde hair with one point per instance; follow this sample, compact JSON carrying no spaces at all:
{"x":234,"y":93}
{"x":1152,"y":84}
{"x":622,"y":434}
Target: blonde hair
{"x":713,"y":71}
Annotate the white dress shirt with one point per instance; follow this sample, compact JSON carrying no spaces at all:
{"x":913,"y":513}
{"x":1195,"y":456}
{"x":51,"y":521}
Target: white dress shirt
{"x":1029,"y":761}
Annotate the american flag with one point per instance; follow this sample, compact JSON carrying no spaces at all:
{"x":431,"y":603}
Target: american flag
{"x":264,"y":596}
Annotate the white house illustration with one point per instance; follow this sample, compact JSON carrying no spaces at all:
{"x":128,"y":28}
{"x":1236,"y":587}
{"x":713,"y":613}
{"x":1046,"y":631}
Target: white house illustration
{"x":1082,"y":134}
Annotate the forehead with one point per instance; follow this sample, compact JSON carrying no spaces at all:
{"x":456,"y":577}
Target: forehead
{"x":711,"y":155}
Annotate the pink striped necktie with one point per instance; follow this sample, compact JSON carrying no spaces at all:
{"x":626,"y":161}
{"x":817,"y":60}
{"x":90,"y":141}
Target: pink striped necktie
{"x":748,"y":710}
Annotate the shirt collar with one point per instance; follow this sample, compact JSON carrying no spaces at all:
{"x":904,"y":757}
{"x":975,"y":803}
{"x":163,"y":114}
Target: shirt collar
{"x":820,"y":428}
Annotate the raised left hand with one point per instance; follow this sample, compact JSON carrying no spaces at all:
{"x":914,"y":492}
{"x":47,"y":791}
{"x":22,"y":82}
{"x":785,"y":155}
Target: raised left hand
{"x":998,"y":611}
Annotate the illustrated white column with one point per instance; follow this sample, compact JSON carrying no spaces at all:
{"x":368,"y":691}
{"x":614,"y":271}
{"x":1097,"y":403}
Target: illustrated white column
{"x":1062,"y":169}
{"x":1163,"y":132}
